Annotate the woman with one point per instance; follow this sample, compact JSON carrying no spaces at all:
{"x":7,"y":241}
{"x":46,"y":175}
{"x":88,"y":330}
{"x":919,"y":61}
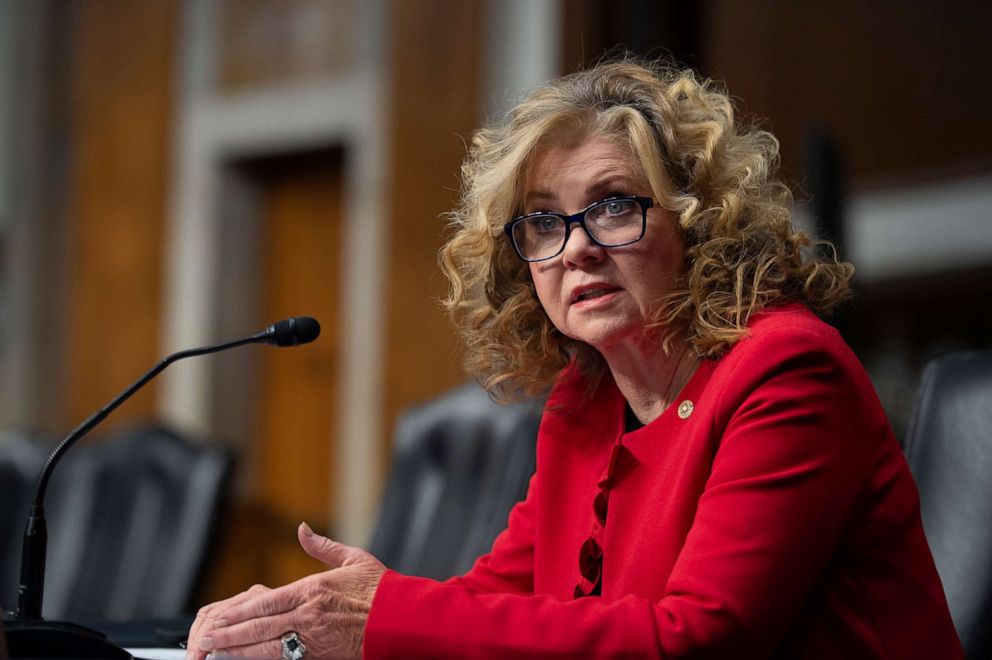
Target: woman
{"x":716,"y":477}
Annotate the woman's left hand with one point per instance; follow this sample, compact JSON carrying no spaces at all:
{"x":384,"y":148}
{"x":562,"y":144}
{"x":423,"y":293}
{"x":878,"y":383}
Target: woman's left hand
{"x":326,"y":610}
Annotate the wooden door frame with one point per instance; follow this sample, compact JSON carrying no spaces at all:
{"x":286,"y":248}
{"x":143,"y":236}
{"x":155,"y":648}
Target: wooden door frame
{"x":348,"y":111}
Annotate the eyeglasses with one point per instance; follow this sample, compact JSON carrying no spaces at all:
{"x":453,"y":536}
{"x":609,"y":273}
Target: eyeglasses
{"x":610,"y":223}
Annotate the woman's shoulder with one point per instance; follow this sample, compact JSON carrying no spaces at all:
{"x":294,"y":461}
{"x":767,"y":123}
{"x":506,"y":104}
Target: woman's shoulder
{"x":787,"y":330}
{"x":790,"y":338}
{"x":789,"y":320}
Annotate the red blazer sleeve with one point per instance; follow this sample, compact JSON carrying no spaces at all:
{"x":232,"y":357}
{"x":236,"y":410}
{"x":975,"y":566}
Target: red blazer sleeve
{"x":790,"y":469}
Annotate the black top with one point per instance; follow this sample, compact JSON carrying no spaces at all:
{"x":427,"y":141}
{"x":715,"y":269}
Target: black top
{"x":630,"y":421}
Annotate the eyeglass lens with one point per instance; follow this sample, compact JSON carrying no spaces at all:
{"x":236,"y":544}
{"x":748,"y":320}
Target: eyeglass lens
{"x":610,"y":223}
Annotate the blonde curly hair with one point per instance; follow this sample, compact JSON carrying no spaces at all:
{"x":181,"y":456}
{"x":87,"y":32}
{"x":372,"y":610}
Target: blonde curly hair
{"x":717,"y":175}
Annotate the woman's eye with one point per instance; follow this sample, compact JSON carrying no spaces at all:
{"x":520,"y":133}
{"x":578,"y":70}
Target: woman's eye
{"x":617,"y":207}
{"x":544,"y":223}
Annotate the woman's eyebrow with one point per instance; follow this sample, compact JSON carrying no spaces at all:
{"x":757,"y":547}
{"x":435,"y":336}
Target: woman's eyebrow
{"x":611,"y":184}
{"x":538,"y":196}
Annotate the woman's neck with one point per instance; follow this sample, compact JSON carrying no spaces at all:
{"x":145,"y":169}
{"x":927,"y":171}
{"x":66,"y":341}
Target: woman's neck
{"x":649,"y":378}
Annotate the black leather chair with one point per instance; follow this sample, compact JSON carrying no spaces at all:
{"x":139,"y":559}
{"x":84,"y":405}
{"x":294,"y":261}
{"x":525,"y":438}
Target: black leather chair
{"x":130,"y":524}
{"x":460,"y":464}
{"x":949,"y":449}
{"x":21,"y":459}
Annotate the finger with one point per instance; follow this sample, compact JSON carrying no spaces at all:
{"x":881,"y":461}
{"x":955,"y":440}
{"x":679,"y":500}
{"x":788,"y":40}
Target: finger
{"x":270,"y":603}
{"x":203,"y":623}
{"x":221,"y":609}
{"x":323,"y":549}
{"x":246,"y":633}
{"x":208,"y":616}
{"x":269,"y":649}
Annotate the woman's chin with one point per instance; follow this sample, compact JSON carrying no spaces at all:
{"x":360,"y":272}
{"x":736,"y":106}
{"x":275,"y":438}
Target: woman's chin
{"x":606,"y":334}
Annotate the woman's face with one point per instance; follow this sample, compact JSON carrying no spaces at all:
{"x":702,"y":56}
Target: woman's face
{"x":601,"y":296}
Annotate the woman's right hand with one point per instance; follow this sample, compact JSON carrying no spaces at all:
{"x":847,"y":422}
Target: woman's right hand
{"x":327,"y":611}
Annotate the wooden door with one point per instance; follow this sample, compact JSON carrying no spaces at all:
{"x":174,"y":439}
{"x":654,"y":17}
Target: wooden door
{"x":288,"y":459}
{"x":297,"y":386}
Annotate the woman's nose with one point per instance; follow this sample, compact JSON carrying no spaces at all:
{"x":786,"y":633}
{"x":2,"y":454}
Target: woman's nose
{"x":580,"y":249}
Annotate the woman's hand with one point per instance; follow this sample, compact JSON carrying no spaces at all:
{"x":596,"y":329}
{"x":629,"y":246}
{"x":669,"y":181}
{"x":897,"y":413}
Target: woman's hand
{"x":327,"y":610}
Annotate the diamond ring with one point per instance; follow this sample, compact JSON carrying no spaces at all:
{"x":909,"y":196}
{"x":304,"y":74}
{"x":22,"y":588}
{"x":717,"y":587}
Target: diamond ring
{"x":293,"y":647}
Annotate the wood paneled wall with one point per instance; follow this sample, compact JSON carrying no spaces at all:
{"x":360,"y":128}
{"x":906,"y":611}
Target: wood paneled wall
{"x":902,"y":87}
{"x":122,"y":89}
{"x":436,"y":69}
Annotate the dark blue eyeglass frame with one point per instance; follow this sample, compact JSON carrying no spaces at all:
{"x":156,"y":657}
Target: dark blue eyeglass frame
{"x":579,"y":219}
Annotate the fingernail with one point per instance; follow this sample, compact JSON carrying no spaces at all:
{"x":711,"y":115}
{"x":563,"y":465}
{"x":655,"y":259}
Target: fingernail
{"x":220,"y":623}
{"x":306,"y":529}
{"x":206,"y":644}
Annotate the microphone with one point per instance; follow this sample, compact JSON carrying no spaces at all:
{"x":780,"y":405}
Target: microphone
{"x":29,"y":635}
{"x":291,"y":332}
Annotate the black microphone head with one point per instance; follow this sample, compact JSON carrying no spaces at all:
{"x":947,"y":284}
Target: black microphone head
{"x":293,"y":331}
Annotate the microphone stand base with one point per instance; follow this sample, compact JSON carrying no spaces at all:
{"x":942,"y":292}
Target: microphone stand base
{"x":59,"y":639}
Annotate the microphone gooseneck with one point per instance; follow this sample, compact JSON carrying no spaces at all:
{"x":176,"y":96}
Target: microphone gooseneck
{"x":289,"y":332}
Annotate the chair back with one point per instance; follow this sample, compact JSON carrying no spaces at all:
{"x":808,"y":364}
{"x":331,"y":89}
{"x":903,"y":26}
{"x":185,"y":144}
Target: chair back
{"x":130,"y":524}
{"x":949,"y":449}
{"x":460,"y":463}
{"x":21,"y":460}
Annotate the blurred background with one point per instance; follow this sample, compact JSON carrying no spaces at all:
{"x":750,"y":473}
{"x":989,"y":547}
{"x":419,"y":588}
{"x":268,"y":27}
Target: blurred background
{"x":178,"y":173}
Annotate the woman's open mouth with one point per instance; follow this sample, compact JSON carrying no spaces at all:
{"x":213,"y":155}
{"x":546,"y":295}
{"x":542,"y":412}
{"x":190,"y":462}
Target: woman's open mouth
{"x":594,"y":294}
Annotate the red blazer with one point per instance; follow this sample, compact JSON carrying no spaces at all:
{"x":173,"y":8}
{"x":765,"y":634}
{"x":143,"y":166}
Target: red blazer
{"x":778,"y":518}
